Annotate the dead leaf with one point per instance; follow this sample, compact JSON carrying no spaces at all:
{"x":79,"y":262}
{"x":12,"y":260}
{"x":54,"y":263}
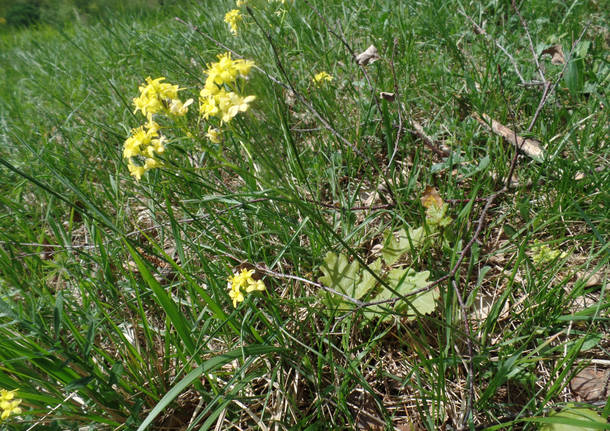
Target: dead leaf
{"x":387,"y":96}
{"x":579,"y":176}
{"x":367,"y":57}
{"x":556,"y":53}
{"x":591,"y":384}
{"x":430,"y":198}
{"x":529,"y":146}
{"x":591,"y":279}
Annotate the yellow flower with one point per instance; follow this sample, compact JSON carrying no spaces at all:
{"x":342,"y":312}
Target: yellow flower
{"x":7,"y":395}
{"x":223,"y":71}
{"x":157,"y":96}
{"x":214,"y":135}
{"x":243,"y":66}
{"x":136,"y":171}
{"x":208,"y":106}
{"x":216,"y":98}
{"x":243,"y":280}
{"x":236,"y":104}
{"x":143,"y":144}
{"x":9,"y":404}
{"x":240,"y":3}
{"x":176,"y":107}
{"x":320,"y":78}
{"x":255,"y":285}
{"x":236,"y":295}
{"x":233,"y":17}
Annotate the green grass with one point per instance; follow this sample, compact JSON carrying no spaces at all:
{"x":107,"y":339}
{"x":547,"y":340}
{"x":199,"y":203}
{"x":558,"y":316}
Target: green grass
{"x":113,"y":293}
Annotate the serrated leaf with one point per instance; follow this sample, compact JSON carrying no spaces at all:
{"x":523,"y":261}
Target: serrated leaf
{"x":436,"y":216}
{"x":405,"y":281}
{"x":394,"y":248}
{"x":367,"y":282}
{"x":348,"y":278}
{"x":339,"y":274}
{"x":376,"y":311}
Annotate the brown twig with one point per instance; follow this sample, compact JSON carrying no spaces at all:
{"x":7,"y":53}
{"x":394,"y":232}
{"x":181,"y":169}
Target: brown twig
{"x":427,"y":140}
{"x":482,"y":31}
{"x":548,"y":88}
{"x":531,"y":44}
{"x":398,"y":103}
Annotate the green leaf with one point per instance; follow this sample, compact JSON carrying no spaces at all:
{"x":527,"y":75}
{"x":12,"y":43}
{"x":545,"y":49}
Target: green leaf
{"x":573,"y":419}
{"x":347,"y":278}
{"x":368,"y":282}
{"x":436,"y":216}
{"x":405,"y":281}
{"x":394,"y":248}
{"x":339,"y":274}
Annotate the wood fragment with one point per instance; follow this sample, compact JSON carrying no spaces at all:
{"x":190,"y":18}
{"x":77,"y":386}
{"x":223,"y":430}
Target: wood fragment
{"x":531,"y":147}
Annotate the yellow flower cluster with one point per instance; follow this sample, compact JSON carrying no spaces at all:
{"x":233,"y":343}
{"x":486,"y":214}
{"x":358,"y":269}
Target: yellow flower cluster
{"x":214,"y":135}
{"x":233,"y":18}
{"x":321,"y":78}
{"x":9,"y":404}
{"x":219,"y":97}
{"x":157,"y":96}
{"x":243,"y":280}
{"x":144,"y":143}
{"x":545,"y":254}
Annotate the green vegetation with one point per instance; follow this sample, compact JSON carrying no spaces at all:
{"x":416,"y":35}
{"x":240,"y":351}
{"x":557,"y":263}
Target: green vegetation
{"x":58,"y":13}
{"x":492,"y":270}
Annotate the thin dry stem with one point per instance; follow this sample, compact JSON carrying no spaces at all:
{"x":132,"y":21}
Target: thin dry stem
{"x":531,"y":44}
{"x":508,"y":54}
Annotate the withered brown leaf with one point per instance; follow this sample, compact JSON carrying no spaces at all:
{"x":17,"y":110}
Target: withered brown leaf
{"x":430,"y":197}
{"x":556,"y":53}
{"x":367,"y":57}
{"x":591,"y":383}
